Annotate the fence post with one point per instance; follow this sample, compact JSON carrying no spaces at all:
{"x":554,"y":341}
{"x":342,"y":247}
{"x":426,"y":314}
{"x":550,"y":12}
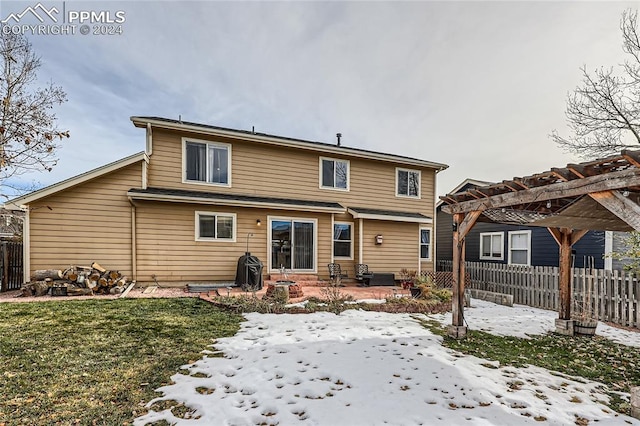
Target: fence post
{"x":4,"y":251}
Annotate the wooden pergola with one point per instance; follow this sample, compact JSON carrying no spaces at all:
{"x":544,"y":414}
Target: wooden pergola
{"x":569,"y":201}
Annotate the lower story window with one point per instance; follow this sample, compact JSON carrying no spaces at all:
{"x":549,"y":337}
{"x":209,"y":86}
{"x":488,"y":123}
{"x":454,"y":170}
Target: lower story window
{"x":425,"y":244}
{"x":520,"y":247}
{"x":215,"y":226}
{"x":342,"y":240}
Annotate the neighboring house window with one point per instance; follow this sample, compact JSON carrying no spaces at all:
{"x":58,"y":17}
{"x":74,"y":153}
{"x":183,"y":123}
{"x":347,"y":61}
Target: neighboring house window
{"x":343,"y":240}
{"x":425,"y":244}
{"x":492,"y":245}
{"x":207,"y":162}
{"x":215,"y":226}
{"x":334,"y":174}
{"x":408,"y":183}
{"x":520,"y":247}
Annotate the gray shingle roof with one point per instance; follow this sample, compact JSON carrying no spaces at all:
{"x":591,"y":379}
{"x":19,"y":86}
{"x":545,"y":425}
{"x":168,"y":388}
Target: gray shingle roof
{"x":414,"y":215}
{"x":216,"y":196}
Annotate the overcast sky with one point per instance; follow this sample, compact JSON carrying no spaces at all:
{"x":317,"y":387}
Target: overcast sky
{"x":475,"y":85}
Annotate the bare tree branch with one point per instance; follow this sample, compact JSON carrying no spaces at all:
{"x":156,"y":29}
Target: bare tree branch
{"x":29,"y":135}
{"x":603,"y":113}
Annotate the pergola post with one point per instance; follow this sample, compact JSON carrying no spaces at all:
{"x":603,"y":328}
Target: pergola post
{"x":462,"y":224}
{"x":565,"y":274}
{"x":457,"y":320}
{"x":565,"y":238}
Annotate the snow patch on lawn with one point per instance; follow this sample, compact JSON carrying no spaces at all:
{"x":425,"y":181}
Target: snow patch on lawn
{"x":374,"y":368}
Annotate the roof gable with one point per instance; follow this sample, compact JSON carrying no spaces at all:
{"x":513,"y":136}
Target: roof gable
{"x":77,"y":180}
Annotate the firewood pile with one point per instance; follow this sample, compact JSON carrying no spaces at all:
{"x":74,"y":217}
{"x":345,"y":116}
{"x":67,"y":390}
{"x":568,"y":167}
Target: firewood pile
{"x":75,"y":281}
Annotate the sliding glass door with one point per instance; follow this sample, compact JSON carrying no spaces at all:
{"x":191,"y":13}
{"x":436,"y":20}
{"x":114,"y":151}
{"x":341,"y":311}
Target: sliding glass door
{"x":293,"y":244}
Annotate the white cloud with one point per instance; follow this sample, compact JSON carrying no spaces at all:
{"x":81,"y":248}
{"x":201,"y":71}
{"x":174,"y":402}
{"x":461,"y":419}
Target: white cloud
{"x":476,"y":85}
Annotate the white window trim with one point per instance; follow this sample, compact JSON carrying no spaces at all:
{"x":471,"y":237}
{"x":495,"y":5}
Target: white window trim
{"x":425,"y":259}
{"x":492,"y":234}
{"x":215,"y":240}
{"x":333,"y":188}
{"x":184,"y":162}
{"x":350,"y":257}
{"x":511,"y":233}
{"x":419,"y":196}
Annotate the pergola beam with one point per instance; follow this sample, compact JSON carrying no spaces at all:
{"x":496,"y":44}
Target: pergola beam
{"x":619,"y":205}
{"x":572,"y":188}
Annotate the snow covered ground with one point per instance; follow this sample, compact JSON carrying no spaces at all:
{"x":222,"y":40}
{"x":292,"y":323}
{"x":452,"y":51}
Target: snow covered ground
{"x":369,"y":368}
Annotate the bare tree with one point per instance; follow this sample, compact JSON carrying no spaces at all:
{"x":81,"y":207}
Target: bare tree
{"x":28,"y":132}
{"x":603,"y":113}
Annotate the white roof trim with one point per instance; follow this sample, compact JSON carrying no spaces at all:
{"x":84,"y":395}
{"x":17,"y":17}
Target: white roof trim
{"x":274,"y":140}
{"x":232,"y":203}
{"x":461,"y":185}
{"x":391,"y":218}
{"x":77,"y":180}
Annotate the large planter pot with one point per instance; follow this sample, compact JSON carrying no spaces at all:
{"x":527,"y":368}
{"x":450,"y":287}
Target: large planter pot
{"x":415,"y":292}
{"x":585,"y":327}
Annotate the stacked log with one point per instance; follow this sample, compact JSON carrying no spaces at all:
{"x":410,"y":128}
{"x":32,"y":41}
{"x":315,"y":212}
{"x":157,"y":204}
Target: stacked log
{"x":76,"y":280}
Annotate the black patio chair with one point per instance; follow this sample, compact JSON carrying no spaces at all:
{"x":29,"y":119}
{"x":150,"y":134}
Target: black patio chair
{"x":363,"y":276}
{"x":335,"y":273}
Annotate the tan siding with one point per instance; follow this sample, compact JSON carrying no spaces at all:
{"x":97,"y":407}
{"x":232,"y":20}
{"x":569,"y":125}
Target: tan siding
{"x":260,"y":169}
{"x":400,"y":247}
{"x":86,"y":223}
{"x":263,"y":170}
{"x":167,"y":248}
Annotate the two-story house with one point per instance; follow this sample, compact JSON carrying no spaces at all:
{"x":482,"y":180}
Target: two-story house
{"x":200,"y":196}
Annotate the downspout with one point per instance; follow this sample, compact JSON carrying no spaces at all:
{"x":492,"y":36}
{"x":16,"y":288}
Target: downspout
{"x":145,"y":172}
{"x":608,"y":250}
{"x":134,"y":254}
{"x":360,"y":243}
{"x":26,"y":246}
{"x":333,"y":227}
{"x":434,"y":228}
{"x":149,"y":147}
{"x":419,"y":248}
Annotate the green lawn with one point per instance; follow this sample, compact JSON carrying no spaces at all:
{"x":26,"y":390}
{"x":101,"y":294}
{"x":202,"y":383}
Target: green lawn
{"x":97,"y":362}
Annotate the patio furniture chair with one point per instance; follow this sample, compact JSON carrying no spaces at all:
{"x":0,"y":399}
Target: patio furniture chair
{"x":363,"y":276}
{"x":335,"y":273}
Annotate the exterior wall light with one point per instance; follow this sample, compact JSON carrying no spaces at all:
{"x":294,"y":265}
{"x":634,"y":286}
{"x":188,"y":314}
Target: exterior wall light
{"x":379,"y":239}
{"x":258,"y":222}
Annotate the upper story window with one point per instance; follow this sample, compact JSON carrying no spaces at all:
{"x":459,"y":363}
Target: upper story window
{"x":407,"y":183}
{"x":520,"y":247}
{"x":492,"y":245}
{"x":215,"y":226}
{"x":334,"y":174}
{"x":207,"y":162}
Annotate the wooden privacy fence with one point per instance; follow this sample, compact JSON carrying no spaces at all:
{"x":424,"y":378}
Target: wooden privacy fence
{"x":612,"y":296}
{"x":10,"y":266}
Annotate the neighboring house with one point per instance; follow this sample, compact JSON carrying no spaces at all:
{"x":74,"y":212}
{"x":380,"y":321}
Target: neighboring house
{"x":200,"y":196}
{"x":11,"y":224}
{"x":521,"y":245}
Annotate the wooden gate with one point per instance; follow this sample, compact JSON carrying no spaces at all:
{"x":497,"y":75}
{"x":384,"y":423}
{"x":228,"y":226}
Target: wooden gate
{"x":11,"y":273}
